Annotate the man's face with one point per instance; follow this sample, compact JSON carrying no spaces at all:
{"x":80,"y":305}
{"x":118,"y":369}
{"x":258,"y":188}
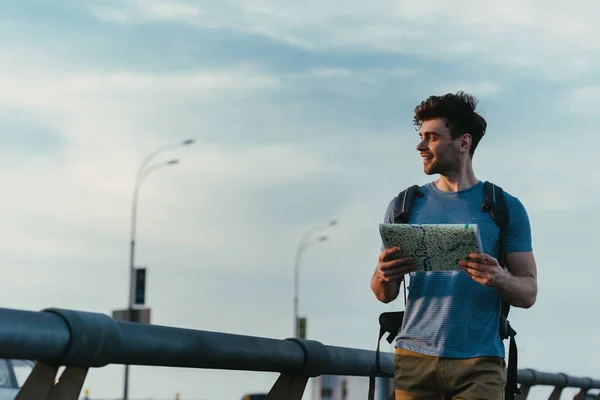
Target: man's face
{"x":439,"y":151}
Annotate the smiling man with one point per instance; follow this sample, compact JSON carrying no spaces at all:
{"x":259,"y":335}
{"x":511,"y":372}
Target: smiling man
{"x":449,"y":345}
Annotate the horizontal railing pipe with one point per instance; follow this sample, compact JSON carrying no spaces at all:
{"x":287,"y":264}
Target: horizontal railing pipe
{"x":32,"y":335}
{"x":531,"y":377}
{"x":95,"y":340}
{"x":84,"y":339}
{"x":175,"y":347}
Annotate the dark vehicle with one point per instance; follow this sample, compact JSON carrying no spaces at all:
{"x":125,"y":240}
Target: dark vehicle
{"x":13,"y":374}
{"x":256,"y":396}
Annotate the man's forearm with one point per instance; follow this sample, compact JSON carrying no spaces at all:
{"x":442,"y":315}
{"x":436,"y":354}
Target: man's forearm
{"x":385,"y":291}
{"x":518,"y":291}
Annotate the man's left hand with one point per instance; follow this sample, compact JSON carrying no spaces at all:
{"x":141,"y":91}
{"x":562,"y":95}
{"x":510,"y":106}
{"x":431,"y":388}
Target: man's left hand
{"x":484,"y":269}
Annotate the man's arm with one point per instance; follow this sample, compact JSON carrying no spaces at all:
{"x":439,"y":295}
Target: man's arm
{"x":385,"y":292}
{"x":517,"y":285}
{"x":385,"y":282}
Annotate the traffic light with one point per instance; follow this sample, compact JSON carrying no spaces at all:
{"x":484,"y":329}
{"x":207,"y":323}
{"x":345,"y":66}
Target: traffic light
{"x":140,"y":286}
{"x":302,"y":327}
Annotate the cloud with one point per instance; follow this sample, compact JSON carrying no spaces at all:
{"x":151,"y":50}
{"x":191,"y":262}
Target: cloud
{"x":583,"y":102}
{"x":368,"y":75}
{"x":278,"y":152}
{"x":147,"y":10}
{"x":545,"y":170}
{"x":67,"y":90}
{"x":513,"y":34}
{"x":481,"y":89}
{"x":99,"y":119}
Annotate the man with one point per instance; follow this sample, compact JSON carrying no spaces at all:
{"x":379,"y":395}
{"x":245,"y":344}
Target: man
{"x":449,"y":346}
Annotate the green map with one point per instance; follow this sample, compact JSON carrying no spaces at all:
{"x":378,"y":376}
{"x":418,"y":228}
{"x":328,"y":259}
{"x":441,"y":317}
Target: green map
{"x":436,"y":247}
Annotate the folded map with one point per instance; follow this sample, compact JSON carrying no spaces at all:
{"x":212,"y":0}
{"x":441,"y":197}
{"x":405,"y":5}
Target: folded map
{"x":436,"y":247}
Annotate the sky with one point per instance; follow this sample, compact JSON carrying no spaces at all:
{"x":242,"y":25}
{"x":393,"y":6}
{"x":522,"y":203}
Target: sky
{"x":302,"y":114}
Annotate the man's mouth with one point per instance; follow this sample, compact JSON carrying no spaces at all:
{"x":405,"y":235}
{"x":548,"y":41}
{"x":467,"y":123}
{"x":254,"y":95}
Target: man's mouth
{"x":426,"y":158}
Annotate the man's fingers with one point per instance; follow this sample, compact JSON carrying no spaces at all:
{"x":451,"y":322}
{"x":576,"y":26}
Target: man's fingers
{"x":387,"y":253}
{"x":477,"y":266}
{"x":397,"y":263}
{"x":398,"y":274}
{"x":395,"y":275}
{"x":471,"y":264}
{"x":477,"y":274}
{"x":392,"y":277}
{"x":401,"y":270}
{"x":468,"y":264}
{"x":484,"y":258}
{"x":394,"y":269}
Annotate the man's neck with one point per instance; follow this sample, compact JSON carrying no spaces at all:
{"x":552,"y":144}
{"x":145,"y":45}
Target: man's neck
{"x":456,"y":181}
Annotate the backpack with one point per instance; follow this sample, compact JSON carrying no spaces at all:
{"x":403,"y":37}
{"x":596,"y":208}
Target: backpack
{"x":391,"y":322}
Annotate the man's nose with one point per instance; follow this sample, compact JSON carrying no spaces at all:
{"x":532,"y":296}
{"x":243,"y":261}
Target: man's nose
{"x":421,"y":146}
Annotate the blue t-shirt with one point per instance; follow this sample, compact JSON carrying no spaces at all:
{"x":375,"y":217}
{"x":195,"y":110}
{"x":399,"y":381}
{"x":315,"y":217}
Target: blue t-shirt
{"x":448,"y":314}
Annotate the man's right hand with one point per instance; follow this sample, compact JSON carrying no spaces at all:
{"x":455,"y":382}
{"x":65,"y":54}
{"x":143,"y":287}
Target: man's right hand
{"x":393,"y":270}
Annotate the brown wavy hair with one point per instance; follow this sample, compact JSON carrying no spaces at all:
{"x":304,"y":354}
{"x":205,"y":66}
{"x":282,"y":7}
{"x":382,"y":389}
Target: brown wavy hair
{"x":459,"y":112}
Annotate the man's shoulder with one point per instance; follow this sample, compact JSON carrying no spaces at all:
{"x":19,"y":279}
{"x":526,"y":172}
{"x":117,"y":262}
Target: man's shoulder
{"x":393,"y":203}
{"x":519,"y":225}
{"x":509,"y":197}
{"x":516,"y":208}
{"x":422,"y":188}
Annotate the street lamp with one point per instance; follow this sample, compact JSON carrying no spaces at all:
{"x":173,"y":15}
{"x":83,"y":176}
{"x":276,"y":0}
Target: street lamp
{"x":143,"y":171}
{"x":303,"y":245}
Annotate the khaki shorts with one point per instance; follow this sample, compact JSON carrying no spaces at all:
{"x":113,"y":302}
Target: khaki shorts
{"x":420,"y":377}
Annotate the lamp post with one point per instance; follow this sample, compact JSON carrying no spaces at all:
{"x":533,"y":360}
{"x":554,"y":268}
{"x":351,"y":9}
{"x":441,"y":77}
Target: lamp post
{"x":303,"y":245}
{"x":143,"y":171}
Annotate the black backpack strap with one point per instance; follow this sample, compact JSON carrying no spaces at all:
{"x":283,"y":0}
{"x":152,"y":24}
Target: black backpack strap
{"x":512,"y":371}
{"x":405,"y":203}
{"x":376,"y":369}
{"x":495,"y":204}
{"x":390,"y":323}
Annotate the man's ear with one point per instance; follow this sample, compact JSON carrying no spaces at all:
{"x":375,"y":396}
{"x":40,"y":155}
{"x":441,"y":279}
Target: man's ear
{"x":466,"y":141}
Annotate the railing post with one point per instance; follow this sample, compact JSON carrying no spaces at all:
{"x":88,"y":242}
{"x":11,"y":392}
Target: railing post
{"x":581,"y":395}
{"x":38,"y":383}
{"x":288,"y":387}
{"x":43,"y":385}
{"x":524,"y":388}
{"x":292,"y":386}
{"x":555,"y":395}
{"x":524,"y":392}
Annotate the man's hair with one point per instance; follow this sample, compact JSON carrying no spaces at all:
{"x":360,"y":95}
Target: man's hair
{"x":459,"y":112}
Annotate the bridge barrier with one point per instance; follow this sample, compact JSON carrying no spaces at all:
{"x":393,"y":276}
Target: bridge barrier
{"x":80,"y":340}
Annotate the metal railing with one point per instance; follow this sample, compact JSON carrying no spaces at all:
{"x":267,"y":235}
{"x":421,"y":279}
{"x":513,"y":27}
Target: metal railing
{"x":81,"y":340}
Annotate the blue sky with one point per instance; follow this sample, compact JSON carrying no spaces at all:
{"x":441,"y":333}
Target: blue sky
{"x":302,"y":113}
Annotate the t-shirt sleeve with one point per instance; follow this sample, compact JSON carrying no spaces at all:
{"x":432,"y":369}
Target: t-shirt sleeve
{"x":388,"y":218}
{"x":518,"y":234}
